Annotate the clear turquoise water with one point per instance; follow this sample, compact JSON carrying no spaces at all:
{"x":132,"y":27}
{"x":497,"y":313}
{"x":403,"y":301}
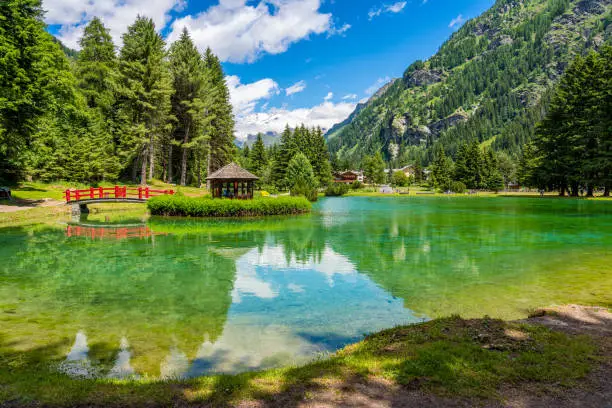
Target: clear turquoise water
{"x":190,"y":297}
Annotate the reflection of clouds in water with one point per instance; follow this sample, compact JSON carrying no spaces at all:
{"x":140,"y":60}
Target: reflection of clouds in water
{"x":248,"y":283}
{"x":122,"y":367}
{"x":247,"y":347}
{"x":175,"y":365}
{"x":77,"y":362}
{"x":295,"y":288}
{"x":467,"y":265}
{"x":399,"y":252}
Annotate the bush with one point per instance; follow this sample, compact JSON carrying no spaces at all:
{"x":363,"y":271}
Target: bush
{"x":356,"y":185}
{"x":336,"y":189}
{"x":400,"y":179}
{"x":218,"y":207}
{"x":457,"y":187}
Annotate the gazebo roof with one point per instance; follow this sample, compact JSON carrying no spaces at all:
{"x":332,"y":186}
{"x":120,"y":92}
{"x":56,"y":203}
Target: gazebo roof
{"x":232,"y":172}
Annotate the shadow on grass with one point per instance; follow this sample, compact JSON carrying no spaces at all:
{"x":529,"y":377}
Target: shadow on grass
{"x":444,"y":362}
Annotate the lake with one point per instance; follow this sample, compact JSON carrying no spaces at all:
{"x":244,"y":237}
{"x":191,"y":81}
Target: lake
{"x":176,"y":298}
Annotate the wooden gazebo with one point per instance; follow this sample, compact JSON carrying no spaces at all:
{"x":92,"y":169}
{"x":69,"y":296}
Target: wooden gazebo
{"x":232,"y":181}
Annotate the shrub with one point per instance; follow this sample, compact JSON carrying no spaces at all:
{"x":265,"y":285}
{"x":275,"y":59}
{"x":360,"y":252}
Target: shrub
{"x":400,"y":179}
{"x":356,"y":185}
{"x":457,"y":187}
{"x":336,"y":189}
{"x":208,"y":207}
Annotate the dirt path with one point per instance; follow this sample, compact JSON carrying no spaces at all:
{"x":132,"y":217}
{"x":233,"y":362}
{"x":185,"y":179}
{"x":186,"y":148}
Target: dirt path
{"x":595,"y":391}
{"x":22,"y":205}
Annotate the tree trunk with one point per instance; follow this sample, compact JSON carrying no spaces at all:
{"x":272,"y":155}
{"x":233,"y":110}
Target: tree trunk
{"x":184,"y":159}
{"x":606,"y":191}
{"x":589,"y":191}
{"x":143,"y":169}
{"x":169,"y":179}
{"x":199,"y":172}
{"x":151,"y":157}
{"x":135,"y":171}
{"x":574,"y":190}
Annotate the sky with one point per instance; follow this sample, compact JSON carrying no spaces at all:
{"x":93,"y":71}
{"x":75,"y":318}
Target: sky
{"x":287,"y":61}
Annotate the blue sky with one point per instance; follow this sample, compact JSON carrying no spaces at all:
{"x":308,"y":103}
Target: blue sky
{"x":288,"y":61}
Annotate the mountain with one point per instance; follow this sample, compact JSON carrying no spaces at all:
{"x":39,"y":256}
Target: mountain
{"x":490,"y":81}
{"x":269,"y":138}
{"x":70,"y":53}
{"x":360,"y":106}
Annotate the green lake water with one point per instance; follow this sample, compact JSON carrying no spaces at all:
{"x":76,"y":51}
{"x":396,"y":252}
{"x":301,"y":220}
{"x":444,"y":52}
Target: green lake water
{"x":181,"y":298}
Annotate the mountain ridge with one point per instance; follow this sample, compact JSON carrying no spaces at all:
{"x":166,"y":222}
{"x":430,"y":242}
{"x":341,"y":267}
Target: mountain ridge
{"x":489,"y":81}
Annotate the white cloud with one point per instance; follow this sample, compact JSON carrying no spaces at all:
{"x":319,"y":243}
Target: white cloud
{"x":350,"y":96}
{"x":377,"y":85}
{"x":239,"y":32}
{"x":296,"y":88}
{"x":244,"y":97}
{"x":339,"y":31}
{"x":324,"y":115}
{"x":117,"y":15}
{"x":457,"y":21}
{"x":251,"y":119}
{"x":386,"y":8}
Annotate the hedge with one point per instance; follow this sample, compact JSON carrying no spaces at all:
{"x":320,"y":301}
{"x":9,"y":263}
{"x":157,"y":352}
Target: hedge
{"x":208,"y":207}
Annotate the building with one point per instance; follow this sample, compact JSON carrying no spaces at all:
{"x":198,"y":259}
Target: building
{"x":232,"y":181}
{"x":407,"y":170}
{"x":348,"y":176}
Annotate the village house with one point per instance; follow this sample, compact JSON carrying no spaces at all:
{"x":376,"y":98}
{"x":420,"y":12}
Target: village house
{"x":348,"y":176}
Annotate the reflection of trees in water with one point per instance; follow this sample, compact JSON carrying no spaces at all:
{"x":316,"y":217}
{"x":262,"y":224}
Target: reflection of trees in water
{"x":158,"y":297}
{"x":469,"y":257}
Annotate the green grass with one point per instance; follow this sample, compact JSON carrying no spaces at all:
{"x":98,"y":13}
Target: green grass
{"x":450,"y":356}
{"x":208,"y":207}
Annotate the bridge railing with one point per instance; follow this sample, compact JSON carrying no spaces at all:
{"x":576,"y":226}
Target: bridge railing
{"x":113,"y":193}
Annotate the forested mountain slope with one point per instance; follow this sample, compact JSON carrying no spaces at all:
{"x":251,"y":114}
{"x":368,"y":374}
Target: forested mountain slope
{"x":489,"y":82}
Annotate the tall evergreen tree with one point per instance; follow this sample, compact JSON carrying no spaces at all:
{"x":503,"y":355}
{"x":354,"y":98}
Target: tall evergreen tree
{"x":35,"y":79}
{"x":258,"y":156}
{"x":96,"y":71}
{"x":374,"y":169}
{"x":96,"y":67}
{"x":441,"y":169}
{"x":191,"y":103}
{"x":147,"y":90}
{"x":221,"y":147}
{"x":286,"y":150}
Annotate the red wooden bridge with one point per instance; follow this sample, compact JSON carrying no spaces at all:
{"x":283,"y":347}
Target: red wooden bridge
{"x":80,"y":198}
{"x":114,"y":194}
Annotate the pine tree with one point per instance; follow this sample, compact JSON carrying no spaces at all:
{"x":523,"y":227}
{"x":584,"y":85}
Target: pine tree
{"x":300,"y":177}
{"x":441,"y":169}
{"x":221,"y":147}
{"x":96,"y":71}
{"x":35,"y":79}
{"x":374,"y":169}
{"x":286,"y":150}
{"x":258,"y":156}
{"x":147,"y":88}
{"x":191,"y":103}
{"x":319,"y":157}
{"x":96,"y":67}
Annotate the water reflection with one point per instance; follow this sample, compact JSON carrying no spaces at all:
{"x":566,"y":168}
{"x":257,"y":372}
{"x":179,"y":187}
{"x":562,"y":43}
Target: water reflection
{"x":122,"y":368}
{"x":228,"y":295}
{"x":77,"y":363}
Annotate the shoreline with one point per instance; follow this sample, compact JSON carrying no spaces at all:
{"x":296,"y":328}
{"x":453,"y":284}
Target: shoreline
{"x":571,"y":345}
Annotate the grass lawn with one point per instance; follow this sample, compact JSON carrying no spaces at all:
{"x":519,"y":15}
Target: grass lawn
{"x":449,"y":357}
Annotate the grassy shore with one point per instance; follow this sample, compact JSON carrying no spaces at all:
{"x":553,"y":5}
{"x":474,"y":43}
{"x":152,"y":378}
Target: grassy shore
{"x":473,"y":360}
